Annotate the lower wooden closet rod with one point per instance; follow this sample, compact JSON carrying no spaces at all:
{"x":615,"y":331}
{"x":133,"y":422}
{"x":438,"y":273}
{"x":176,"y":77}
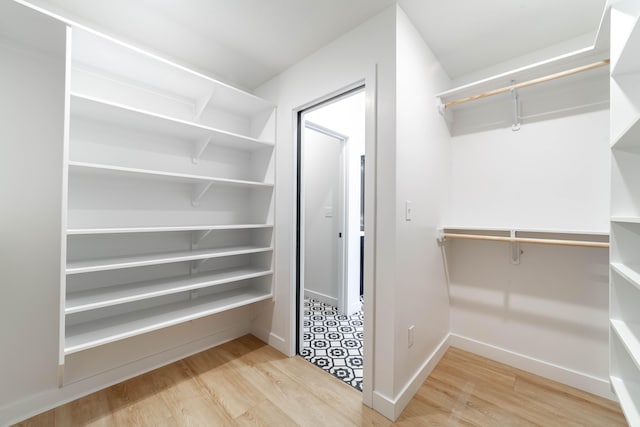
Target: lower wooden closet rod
{"x":558,"y":242}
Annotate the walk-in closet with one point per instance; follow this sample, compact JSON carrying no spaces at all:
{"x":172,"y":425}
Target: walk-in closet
{"x":362,"y":212}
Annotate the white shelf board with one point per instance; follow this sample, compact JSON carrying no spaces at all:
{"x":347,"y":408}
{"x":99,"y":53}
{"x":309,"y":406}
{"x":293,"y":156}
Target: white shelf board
{"x":629,"y":334}
{"x":103,"y":331}
{"x":630,"y":137}
{"x":115,"y":263}
{"x":625,"y":47}
{"x":104,"y":297}
{"x":539,"y":69}
{"x":626,"y":219}
{"x":526,"y":230}
{"x":163,"y":229}
{"x":94,"y":109}
{"x":629,"y":396}
{"x":628,"y":273}
{"x":122,"y":61}
{"x":100,"y":169}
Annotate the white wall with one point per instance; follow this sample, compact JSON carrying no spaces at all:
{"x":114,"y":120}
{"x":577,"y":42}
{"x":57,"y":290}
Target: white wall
{"x":32,"y":84}
{"x":423,"y":153}
{"x":320,"y":258}
{"x":549,"y":314}
{"x":409,"y":279}
{"x":346,"y":117}
{"x":552,"y":174}
{"x":367,"y":53}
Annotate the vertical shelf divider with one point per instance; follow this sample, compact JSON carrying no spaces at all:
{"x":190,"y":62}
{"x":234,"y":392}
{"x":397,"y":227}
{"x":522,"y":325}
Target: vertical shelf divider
{"x":624,"y":287}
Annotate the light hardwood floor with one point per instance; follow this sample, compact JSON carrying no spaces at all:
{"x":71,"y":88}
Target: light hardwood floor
{"x":247,"y":383}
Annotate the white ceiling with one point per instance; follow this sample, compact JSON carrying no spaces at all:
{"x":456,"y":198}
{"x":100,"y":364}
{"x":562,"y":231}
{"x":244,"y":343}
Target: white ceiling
{"x":470,"y":35}
{"x":247,"y":42}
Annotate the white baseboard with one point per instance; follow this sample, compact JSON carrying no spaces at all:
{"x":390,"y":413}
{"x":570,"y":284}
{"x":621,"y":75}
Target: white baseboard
{"x":392,"y":408}
{"x":36,"y":404}
{"x":321,"y":297}
{"x":279,"y":344}
{"x":272,"y":339}
{"x":579,"y":380}
{"x":355,"y":307}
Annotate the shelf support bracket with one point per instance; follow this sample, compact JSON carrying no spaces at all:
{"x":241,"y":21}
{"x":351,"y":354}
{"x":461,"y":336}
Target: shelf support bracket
{"x":443,"y":251}
{"x":199,"y":192}
{"x":201,"y":104}
{"x":516,"y":108}
{"x":196,"y":264}
{"x":441,"y":108}
{"x":200,"y":147}
{"x":515,"y":248}
{"x":197,"y":237}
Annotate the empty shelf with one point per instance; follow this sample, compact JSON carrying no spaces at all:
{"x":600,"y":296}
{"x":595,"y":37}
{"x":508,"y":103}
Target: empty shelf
{"x":628,"y":393}
{"x":629,"y":137}
{"x":629,"y":334}
{"x":626,"y":219}
{"x":113,"y":295}
{"x":631,"y":275}
{"x":87,"y":266}
{"x":161,"y":229}
{"x":123,"y":62}
{"x":99,"y":169}
{"x":94,"y":109}
{"x":103,"y":331}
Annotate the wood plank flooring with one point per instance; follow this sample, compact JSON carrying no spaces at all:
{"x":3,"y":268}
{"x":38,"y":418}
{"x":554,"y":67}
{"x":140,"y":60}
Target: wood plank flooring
{"x":247,"y":383}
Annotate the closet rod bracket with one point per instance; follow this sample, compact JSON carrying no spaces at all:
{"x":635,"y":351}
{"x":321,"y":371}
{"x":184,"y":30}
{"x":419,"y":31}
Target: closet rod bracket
{"x":516,"y":107}
{"x":515,"y":248}
{"x":441,"y":107}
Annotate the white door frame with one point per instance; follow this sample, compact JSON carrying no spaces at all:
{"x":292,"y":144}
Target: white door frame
{"x":343,"y":214}
{"x":369,"y":82}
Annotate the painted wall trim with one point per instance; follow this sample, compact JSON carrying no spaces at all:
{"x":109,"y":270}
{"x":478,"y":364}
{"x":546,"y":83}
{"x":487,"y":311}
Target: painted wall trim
{"x":274,"y":340}
{"x":579,"y":380}
{"x":36,"y":404}
{"x":319,"y":296}
{"x":392,"y":408}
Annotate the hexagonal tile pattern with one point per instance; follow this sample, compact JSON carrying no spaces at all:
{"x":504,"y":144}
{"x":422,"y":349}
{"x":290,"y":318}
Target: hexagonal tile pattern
{"x":333,"y":341}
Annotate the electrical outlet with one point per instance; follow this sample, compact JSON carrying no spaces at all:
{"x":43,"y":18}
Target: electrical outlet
{"x":410,"y":334}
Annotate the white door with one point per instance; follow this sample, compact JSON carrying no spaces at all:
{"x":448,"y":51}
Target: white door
{"x":323,"y":215}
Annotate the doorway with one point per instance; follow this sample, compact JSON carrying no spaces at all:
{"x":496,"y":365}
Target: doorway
{"x":330,"y":233}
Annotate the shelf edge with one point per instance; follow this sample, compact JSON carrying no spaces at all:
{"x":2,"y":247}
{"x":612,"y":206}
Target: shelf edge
{"x":155,"y":327}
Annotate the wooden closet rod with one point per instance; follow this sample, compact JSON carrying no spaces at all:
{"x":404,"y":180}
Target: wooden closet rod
{"x":528,"y":83}
{"x":558,"y":242}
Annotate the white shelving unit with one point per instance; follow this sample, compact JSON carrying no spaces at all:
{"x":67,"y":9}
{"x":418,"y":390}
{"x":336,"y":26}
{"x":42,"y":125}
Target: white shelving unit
{"x":473,"y":228}
{"x":104,"y":297}
{"x":170,"y":195}
{"x":200,"y":228}
{"x":88,"y":266}
{"x":581,"y":92}
{"x":625,"y":207}
{"x":88,"y":108}
{"x":105,"y":330}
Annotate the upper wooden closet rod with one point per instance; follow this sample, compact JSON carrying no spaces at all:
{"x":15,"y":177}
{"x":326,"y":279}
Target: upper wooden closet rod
{"x":528,"y":83}
{"x":558,"y":242}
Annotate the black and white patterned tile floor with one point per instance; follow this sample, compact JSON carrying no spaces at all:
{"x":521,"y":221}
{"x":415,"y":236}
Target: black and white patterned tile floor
{"x":333,"y":341}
